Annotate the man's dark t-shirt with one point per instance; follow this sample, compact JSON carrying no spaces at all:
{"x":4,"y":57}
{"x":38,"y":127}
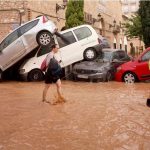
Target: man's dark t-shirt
{"x":53,"y":72}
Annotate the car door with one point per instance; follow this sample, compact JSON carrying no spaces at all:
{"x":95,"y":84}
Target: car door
{"x":143,"y":66}
{"x":11,"y":50}
{"x":28,"y":35}
{"x":70,"y":52}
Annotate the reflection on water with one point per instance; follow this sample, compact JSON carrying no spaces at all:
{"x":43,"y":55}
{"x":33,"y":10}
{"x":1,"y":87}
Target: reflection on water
{"x":96,"y":116}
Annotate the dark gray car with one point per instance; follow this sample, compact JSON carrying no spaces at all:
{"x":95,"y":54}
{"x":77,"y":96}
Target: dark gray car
{"x":101,"y":69}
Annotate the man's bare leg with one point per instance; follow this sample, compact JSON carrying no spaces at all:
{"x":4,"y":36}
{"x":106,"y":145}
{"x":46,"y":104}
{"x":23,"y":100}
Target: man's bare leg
{"x":59,"y":91}
{"x":45,"y":92}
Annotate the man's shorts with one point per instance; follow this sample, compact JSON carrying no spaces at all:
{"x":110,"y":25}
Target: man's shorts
{"x":51,"y":79}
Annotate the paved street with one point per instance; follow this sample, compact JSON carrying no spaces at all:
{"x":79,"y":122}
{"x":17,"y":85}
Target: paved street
{"x":96,"y":116}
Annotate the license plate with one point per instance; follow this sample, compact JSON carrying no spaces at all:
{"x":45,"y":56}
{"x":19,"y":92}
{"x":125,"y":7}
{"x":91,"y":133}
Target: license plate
{"x":83,"y":76}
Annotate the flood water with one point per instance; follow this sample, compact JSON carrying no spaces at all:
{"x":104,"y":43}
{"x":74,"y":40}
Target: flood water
{"x":96,"y":116}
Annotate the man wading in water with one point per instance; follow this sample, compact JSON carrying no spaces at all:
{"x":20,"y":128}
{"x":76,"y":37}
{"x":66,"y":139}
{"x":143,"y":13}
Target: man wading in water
{"x":52,"y":75}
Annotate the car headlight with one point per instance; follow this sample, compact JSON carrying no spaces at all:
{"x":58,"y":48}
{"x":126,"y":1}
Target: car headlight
{"x":100,"y":70}
{"x":21,"y":71}
{"x":119,"y":68}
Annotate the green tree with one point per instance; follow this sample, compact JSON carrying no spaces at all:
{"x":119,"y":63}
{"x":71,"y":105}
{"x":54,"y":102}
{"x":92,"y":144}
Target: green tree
{"x":133,"y":27}
{"x":144,"y":13}
{"x":74,"y":13}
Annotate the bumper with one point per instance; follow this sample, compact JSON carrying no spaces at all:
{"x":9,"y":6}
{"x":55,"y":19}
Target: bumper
{"x":99,"y":76}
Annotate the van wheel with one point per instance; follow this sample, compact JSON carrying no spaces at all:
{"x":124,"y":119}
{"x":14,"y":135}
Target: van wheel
{"x":89,"y":54}
{"x":1,"y":75}
{"x":44,"y":38}
{"x":35,"y":75}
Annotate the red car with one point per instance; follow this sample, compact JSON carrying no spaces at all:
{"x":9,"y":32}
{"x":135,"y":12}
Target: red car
{"x":136,"y":69}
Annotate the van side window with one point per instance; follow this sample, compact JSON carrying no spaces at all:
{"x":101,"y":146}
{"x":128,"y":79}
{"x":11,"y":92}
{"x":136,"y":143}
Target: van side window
{"x":9,"y":39}
{"x":69,"y":36}
{"x":43,"y":51}
{"x":28,"y":26}
{"x":82,"y":33}
{"x":146,"y":56}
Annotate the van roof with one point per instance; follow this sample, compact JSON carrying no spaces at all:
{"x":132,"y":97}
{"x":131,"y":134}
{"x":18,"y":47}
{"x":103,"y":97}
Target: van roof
{"x":70,"y":29}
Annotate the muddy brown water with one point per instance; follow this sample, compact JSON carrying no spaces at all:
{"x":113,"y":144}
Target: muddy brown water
{"x":96,"y":116}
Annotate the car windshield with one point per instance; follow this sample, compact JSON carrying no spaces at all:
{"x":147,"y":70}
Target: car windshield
{"x":106,"y":56}
{"x":105,"y":40}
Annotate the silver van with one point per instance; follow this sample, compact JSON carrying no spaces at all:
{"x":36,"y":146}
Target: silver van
{"x":24,"y":39}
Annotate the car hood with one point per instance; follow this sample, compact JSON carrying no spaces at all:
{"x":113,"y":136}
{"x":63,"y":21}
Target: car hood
{"x":87,"y":65}
{"x":130,"y":63}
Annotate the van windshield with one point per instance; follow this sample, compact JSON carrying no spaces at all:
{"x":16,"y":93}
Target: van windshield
{"x":65,"y":39}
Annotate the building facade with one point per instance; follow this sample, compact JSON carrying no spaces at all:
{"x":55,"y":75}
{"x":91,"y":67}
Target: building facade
{"x":16,"y":12}
{"x":105,"y":16}
{"x":129,"y":8}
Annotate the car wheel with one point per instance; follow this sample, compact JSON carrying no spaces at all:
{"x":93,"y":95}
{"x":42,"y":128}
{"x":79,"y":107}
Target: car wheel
{"x":35,"y":75}
{"x":129,"y":77}
{"x":108,"y":76}
{"x":89,"y":54}
{"x":1,"y":74}
{"x":75,"y":79}
{"x":44,"y":38}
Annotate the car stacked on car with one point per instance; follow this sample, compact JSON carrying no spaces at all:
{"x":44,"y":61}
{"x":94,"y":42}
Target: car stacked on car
{"x":24,"y":39}
{"x":75,"y":44}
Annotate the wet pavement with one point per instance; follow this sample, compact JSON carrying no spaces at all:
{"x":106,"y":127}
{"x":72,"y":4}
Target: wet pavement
{"x":96,"y":116}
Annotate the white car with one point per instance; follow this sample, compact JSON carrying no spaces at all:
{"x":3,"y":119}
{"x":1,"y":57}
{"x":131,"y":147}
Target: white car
{"x":81,"y":43}
{"x":24,"y":39}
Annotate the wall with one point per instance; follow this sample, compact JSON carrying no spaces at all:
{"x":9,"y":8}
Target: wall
{"x":19,"y":11}
{"x":108,"y":13}
{"x":11,"y":18}
{"x":49,"y":8}
{"x":108,"y":10}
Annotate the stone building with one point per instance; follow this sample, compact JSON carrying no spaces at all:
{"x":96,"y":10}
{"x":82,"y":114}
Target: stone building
{"x":129,"y":8}
{"x":105,"y":16}
{"x":16,"y":12}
